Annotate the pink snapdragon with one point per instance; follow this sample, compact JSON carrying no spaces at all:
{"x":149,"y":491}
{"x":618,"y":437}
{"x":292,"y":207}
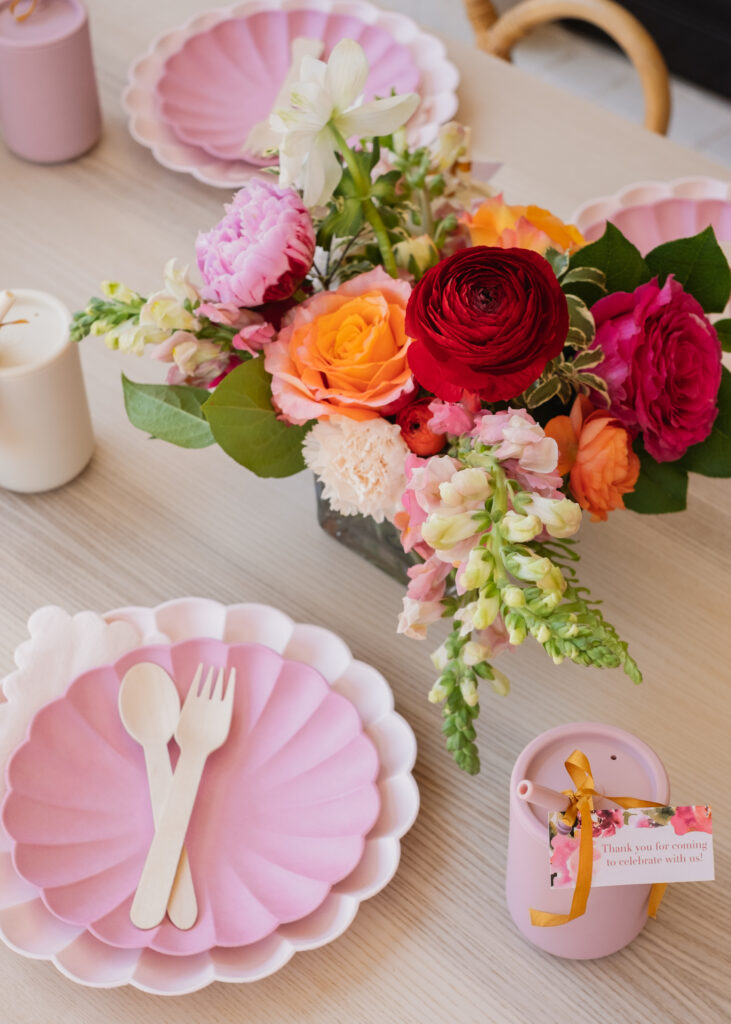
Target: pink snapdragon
{"x":254,"y":332}
{"x":450,"y":418}
{"x":261,"y":249}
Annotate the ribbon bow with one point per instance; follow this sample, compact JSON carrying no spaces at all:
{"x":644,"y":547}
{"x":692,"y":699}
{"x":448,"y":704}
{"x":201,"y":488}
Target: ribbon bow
{"x":581,"y":803}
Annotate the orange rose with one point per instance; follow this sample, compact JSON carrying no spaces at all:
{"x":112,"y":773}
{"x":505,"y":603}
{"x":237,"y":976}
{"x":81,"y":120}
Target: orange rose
{"x":522,"y":227}
{"x":343,"y":353}
{"x":596,"y":450}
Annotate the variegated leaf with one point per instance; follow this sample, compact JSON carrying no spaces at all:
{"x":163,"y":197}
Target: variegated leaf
{"x":586,"y":275}
{"x":543,"y":392}
{"x":585,"y":360}
{"x":559,"y":261}
{"x":595,"y":383}
{"x":577,"y":339}
{"x":580,"y":316}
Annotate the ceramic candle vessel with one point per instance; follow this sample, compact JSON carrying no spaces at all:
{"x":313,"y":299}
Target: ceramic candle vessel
{"x":45,"y":428}
{"x":49,"y":105}
{"x":622,"y":765}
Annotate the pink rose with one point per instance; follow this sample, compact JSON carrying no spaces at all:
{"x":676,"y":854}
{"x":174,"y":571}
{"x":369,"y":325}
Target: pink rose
{"x":692,"y":819}
{"x":662,"y":365}
{"x":261,"y":250}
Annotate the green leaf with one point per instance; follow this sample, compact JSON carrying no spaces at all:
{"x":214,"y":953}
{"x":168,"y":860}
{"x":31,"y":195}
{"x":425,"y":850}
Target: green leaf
{"x":661,"y":486}
{"x":543,"y":392}
{"x":712,"y":457}
{"x":384,"y":187}
{"x":585,"y":360}
{"x":619,"y":260}
{"x":245,"y":424}
{"x":584,"y":275}
{"x":343,"y":221}
{"x":582,"y":327}
{"x":699,"y":265}
{"x":559,"y":261}
{"x":169,"y":412}
{"x":723,"y":330}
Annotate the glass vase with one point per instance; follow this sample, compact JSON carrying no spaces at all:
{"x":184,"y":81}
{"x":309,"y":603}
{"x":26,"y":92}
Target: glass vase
{"x":378,"y":543}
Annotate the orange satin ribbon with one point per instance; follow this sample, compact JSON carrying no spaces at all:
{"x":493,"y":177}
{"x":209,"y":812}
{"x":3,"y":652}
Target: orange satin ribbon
{"x":24,"y":14}
{"x":581,"y":802}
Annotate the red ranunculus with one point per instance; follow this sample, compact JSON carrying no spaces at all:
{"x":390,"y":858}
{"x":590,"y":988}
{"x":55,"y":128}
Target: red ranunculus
{"x":415,"y":430}
{"x":486,"y":320}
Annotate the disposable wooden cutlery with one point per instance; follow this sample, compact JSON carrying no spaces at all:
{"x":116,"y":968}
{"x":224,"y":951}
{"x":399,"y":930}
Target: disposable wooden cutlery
{"x":149,"y":707}
{"x":203,"y":726}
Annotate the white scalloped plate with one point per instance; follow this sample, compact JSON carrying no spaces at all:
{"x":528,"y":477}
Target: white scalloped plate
{"x":60,"y":648}
{"x":438,"y":85}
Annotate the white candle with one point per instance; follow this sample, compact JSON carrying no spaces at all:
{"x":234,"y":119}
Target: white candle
{"x":45,"y":428}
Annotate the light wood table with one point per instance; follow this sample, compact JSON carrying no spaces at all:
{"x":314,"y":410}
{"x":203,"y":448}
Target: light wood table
{"x":147,"y":522}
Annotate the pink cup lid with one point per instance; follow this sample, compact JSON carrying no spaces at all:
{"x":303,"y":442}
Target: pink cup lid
{"x":51,"y":22}
{"x":622,"y":765}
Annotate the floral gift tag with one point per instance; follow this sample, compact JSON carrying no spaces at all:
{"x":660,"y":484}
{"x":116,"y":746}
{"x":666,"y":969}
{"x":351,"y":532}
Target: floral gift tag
{"x":636,"y":847}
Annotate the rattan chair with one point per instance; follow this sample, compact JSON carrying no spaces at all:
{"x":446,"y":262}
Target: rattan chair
{"x":498,"y":35}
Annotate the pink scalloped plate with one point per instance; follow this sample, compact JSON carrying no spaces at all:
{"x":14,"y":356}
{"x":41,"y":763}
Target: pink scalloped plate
{"x":60,"y":647}
{"x":223,"y":81}
{"x":281,"y":815}
{"x":436,"y":83}
{"x":650,"y":213}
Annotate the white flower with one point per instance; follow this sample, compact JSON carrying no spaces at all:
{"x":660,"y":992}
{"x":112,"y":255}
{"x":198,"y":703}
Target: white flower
{"x":360,"y":463}
{"x":560,"y":516}
{"x":164,"y":311}
{"x":178,"y":283}
{"x":520,"y":529}
{"x":417,"y":616}
{"x":330,"y":94}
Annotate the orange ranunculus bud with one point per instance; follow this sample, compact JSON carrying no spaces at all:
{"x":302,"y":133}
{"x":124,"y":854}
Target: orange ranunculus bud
{"x":524,"y":227}
{"x":596,"y":449}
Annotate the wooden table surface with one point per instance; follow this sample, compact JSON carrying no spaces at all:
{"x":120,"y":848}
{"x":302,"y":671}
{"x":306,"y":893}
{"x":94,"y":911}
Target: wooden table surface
{"x":147,"y":522}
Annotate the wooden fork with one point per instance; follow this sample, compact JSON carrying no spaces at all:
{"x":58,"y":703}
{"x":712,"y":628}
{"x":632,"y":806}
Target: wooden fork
{"x":203,"y":726}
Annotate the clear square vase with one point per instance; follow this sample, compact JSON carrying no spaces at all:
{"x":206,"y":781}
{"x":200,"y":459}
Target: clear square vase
{"x":378,"y":543}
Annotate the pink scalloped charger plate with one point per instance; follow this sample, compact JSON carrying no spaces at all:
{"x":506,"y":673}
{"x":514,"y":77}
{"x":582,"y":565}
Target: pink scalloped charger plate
{"x":281,"y":815}
{"x":652,"y":212}
{"x":225,"y":80}
{"x":398,"y":49}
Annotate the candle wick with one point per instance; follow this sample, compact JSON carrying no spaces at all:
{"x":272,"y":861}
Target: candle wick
{"x":9,"y":323}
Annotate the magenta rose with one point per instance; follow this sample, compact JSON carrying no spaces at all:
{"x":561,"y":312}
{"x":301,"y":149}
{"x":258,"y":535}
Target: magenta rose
{"x":486,"y":320}
{"x":662,"y":365}
{"x":261,"y":249}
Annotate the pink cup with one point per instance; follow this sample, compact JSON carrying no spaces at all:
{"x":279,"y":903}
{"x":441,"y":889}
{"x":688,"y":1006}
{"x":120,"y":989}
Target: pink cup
{"x":622,"y":766}
{"x":49,"y":105}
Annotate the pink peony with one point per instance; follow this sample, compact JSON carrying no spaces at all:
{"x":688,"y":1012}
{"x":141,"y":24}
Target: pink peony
{"x":662,"y":365}
{"x":692,"y":819}
{"x":261,"y":249}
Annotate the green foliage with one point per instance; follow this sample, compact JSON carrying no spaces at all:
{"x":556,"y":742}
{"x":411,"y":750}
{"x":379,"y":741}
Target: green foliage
{"x":621,"y":263}
{"x":723,"y":330}
{"x":244,"y":423}
{"x":661,"y":487}
{"x":712,"y":457}
{"x":169,"y":412}
{"x":698,"y":264}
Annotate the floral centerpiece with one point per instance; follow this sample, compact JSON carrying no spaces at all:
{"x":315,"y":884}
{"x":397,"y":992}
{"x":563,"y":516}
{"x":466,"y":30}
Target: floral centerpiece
{"x":470,"y":371}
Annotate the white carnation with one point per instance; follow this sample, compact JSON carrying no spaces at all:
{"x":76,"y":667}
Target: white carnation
{"x":360,"y":464}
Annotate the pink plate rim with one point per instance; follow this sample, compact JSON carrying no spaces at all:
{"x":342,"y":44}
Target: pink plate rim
{"x":438,"y":75}
{"x":645,"y":193}
{"x":60,"y":647}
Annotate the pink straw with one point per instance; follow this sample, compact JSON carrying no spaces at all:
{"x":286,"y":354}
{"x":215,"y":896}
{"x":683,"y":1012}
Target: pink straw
{"x":540,"y":795}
